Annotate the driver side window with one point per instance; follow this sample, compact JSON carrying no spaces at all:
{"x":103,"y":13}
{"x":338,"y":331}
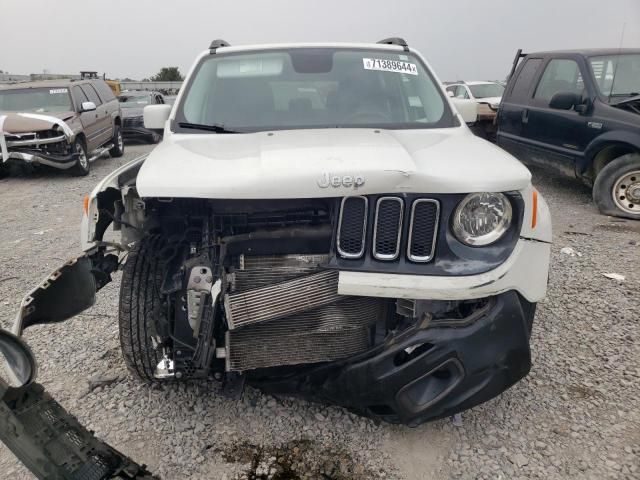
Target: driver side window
{"x":560,"y":76}
{"x":461,"y":92}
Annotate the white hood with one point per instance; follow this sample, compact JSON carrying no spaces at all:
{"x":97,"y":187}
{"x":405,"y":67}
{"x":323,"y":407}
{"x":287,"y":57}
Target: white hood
{"x":490,"y":100}
{"x":293,"y":163}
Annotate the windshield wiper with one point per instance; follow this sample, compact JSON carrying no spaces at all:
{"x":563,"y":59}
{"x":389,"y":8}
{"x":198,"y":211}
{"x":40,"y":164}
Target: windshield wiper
{"x":217,"y":128}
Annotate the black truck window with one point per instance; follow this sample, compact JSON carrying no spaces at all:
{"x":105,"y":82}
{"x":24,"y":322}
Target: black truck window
{"x":560,"y":76}
{"x":521,"y":89}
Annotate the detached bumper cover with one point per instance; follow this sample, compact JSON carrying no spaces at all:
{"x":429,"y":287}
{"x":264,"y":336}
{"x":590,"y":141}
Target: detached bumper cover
{"x":425,"y":374}
{"x":52,"y":444}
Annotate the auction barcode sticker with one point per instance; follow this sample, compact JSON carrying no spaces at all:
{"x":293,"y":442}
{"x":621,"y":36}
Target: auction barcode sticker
{"x":390,"y":66}
{"x":53,"y":91}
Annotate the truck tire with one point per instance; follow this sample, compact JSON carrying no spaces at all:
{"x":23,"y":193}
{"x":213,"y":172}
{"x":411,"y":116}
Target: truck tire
{"x":118,"y":143}
{"x":140,"y":308}
{"x":82,"y":166}
{"x":616,"y":190}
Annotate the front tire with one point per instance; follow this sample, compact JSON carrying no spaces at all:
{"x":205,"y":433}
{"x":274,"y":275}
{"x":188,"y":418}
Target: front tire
{"x":616,"y":190}
{"x":118,"y":143}
{"x":141,"y":307}
{"x":82,"y":165}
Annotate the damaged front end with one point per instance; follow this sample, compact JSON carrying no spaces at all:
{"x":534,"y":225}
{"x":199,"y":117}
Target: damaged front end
{"x":364,"y":301}
{"x":36,"y":139}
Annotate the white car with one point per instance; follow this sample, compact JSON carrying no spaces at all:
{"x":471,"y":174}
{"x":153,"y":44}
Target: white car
{"x":318,"y":220}
{"x":483,"y":93}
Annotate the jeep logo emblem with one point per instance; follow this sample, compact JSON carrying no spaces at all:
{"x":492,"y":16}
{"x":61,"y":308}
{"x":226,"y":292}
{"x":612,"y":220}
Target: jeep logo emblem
{"x":336,"y":181}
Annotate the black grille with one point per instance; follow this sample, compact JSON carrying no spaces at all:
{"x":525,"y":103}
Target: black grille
{"x":352,"y":227}
{"x":423,"y":229}
{"x":133,"y":122}
{"x":388,"y":224}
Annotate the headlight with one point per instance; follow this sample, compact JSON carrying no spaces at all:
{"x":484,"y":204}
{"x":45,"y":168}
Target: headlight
{"x":482,"y":218}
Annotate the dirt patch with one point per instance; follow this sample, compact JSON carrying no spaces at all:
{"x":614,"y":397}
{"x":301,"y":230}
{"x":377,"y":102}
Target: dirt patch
{"x":295,"y":461}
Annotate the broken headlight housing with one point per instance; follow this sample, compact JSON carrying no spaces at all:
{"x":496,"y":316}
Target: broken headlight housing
{"x":482,"y":218}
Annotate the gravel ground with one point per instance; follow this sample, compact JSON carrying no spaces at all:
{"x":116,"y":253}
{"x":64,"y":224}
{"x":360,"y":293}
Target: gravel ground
{"x":577,"y":415}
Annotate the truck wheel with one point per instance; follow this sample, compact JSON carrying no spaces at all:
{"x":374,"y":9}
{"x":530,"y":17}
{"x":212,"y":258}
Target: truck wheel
{"x":616,"y":190}
{"x":118,"y":143}
{"x":82,"y":165}
{"x":140,"y":308}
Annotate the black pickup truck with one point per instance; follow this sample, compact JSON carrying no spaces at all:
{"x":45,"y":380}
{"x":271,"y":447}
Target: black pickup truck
{"x":578,"y":113}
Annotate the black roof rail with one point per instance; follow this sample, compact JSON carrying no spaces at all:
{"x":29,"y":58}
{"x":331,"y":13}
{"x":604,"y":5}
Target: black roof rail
{"x":395,"y":41}
{"x":218,"y":43}
{"x":519,"y":55}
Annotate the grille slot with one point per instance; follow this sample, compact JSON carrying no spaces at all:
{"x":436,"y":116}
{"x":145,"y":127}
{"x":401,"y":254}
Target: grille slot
{"x":387,"y":228}
{"x":423,"y":230}
{"x":352,"y":227}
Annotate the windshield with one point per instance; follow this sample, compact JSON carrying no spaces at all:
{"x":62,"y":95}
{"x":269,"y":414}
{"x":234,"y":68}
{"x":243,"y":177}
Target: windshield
{"x":487,"y":90}
{"x":617,"y":75}
{"x":134,"y":101}
{"x":312,"y":88}
{"x":38,"y":100}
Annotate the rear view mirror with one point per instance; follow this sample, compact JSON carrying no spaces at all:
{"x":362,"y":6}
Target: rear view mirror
{"x":87,"y":107}
{"x":565,"y":100}
{"x":450,"y":94}
{"x":155,"y":116}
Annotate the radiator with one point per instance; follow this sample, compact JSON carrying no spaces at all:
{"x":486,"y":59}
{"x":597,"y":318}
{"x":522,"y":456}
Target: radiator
{"x":297,"y":320}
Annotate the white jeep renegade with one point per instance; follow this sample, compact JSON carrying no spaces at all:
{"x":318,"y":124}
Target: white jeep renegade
{"x":318,"y":221}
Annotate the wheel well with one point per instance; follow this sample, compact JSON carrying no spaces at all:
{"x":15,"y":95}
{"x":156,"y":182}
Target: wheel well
{"x":607,"y":154}
{"x":82,"y":137}
{"x":118,"y":122}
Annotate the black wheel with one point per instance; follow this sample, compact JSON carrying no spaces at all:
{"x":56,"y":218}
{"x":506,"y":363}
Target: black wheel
{"x":141,"y":308}
{"x":82,"y":165}
{"x":118,"y":143}
{"x":616,"y":190}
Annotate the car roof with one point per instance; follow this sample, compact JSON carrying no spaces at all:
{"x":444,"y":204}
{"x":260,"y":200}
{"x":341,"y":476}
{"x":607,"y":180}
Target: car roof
{"x":589,"y":52}
{"x":65,"y":82}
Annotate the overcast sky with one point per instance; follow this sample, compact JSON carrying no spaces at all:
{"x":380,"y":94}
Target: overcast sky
{"x":462,"y":39}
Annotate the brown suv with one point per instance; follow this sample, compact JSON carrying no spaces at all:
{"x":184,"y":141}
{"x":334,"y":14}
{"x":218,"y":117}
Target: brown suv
{"x":65,"y":124}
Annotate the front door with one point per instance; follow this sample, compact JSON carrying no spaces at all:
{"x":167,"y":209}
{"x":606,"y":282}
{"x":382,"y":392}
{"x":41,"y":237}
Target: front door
{"x":103,"y":132}
{"x":89,"y":120}
{"x":557,"y":138}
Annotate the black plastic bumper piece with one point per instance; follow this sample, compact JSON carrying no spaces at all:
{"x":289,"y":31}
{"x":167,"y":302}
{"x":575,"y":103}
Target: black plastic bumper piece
{"x":53,"y":445}
{"x":427,"y":373}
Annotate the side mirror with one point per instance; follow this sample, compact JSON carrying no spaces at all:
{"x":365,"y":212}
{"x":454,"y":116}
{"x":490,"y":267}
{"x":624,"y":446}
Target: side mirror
{"x":565,"y":100}
{"x":17,"y":364}
{"x":468,"y":109}
{"x":450,"y":94}
{"x":155,"y":116}
{"x":87,"y":107}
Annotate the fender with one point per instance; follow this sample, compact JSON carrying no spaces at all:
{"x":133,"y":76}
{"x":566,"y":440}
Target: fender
{"x":611,"y":137}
